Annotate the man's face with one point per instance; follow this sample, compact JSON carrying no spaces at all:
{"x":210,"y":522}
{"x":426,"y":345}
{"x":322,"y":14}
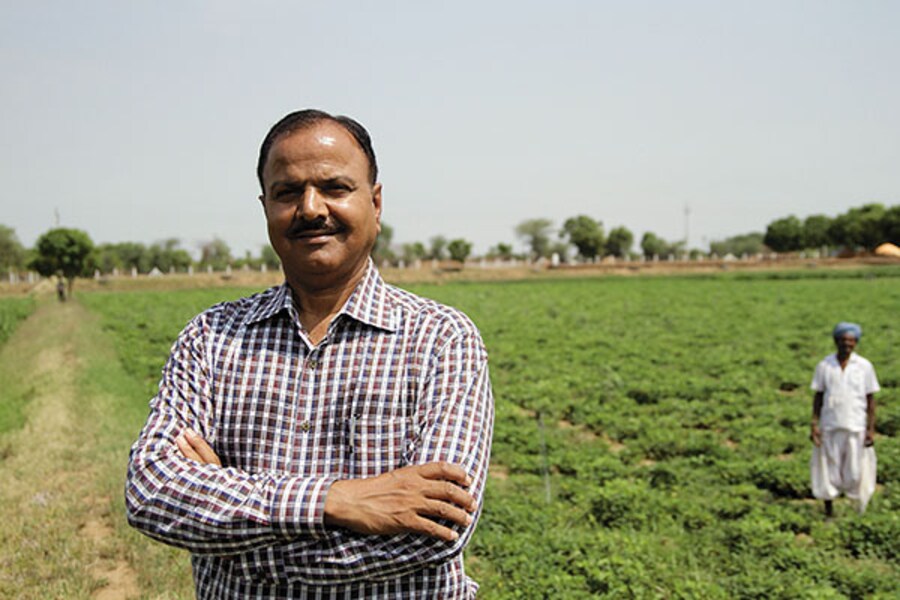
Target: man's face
{"x":845,"y":344}
{"x":322,"y":212}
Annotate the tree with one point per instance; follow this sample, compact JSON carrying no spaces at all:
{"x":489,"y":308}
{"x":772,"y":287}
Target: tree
{"x":459,"y":249}
{"x":413,"y":252}
{"x":892,"y":225}
{"x":585,"y":234}
{"x":216,"y":254}
{"x":502,"y":251}
{"x":12,"y":253}
{"x":381,"y":252}
{"x":437,"y":247}
{"x":652,"y":245}
{"x":815,"y":231}
{"x":784,"y":235}
{"x":746,"y":243}
{"x":166,"y":255}
{"x":64,"y":252}
{"x":619,"y":242}
{"x":862,"y":226}
{"x":536,"y":235}
{"x":269,"y":257}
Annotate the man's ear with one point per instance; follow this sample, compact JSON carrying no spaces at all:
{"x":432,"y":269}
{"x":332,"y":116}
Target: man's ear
{"x":376,"y":203}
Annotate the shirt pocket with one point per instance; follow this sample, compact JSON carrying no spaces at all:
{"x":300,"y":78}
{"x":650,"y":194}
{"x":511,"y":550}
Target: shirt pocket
{"x":380,"y":443}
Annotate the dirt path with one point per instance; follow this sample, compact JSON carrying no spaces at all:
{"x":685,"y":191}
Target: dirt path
{"x":56,"y":533}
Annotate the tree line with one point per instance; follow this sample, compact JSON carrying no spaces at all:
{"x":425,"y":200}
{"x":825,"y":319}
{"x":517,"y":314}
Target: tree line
{"x":71,"y":252}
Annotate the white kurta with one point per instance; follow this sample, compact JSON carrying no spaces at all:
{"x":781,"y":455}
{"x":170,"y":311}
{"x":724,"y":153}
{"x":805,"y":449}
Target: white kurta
{"x":842,"y":464}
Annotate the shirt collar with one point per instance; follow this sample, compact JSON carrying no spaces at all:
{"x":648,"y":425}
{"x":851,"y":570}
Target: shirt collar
{"x":835,"y":360}
{"x":370,"y":302}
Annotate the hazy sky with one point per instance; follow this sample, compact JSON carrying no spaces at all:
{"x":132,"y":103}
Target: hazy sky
{"x":142,"y":120}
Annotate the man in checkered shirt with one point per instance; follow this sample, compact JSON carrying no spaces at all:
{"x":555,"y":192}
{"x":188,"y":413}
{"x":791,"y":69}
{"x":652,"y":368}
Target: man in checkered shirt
{"x":329,"y":437}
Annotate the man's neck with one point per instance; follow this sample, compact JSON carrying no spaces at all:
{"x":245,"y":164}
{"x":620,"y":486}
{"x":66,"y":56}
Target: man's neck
{"x":844,"y":359}
{"x":318,"y":305}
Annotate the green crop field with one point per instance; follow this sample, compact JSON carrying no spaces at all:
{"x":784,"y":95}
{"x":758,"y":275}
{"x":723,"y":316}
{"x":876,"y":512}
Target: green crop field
{"x":652,"y":433}
{"x":12,"y":311}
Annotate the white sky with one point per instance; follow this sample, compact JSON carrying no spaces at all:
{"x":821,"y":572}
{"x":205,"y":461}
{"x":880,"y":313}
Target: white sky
{"x":142,"y":120}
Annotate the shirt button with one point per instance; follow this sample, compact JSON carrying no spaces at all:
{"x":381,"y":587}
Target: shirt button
{"x":312,"y":364}
{"x":304,"y":426}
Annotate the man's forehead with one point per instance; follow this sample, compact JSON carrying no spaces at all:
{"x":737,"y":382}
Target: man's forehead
{"x":329,"y":145}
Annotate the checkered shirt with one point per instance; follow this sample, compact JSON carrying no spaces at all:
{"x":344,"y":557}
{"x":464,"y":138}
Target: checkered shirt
{"x":397,"y":380}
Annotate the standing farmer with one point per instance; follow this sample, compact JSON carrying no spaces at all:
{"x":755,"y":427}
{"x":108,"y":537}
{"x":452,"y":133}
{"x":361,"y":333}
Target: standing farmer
{"x":843,"y":423}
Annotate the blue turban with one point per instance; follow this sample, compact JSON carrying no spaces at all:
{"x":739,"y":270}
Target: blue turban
{"x":843,"y":327}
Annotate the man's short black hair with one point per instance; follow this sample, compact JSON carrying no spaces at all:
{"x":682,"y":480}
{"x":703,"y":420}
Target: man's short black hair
{"x":306,"y":118}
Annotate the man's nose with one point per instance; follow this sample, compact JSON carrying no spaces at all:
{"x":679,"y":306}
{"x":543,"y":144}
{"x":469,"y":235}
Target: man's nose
{"x":312,"y":205}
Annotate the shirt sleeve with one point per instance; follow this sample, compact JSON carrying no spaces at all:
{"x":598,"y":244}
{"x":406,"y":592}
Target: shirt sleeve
{"x":871,"y":381}
{"x":818,"y":380}
{"x":455,"y":422}
{"x":205,"y":508}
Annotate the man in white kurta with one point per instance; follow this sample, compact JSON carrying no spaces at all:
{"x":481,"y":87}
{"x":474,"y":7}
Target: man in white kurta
{"x":843,"y":423}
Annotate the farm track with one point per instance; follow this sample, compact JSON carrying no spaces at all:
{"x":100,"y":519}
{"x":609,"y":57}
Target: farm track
{"x":58,"y":530}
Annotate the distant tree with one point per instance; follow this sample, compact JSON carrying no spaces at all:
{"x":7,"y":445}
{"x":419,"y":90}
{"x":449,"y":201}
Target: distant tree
{"x":437,"y":247}
{"x":502,"y":251}
{"x":815,"y":231}
{"x":536,"y":235}
{"x":65,"y":252}
{"x":215,"y":253}
{"x":413,"y":252}
{"x":862,"y":226}
{"x":166,"y":255}
{"x":12,"y":253}
{"x":381,"y":252}
{"x":561,"y":250}
{"x":619,"y":242}
{"x":784,"y":235}
{"x":123,"y":255}
{"x":269,"y":257}
{"x":459,"y":249}
{"x":892,"y":225}
{"x":585,"y":234}
{"x":652,"y":245}
{"x":746,"y":243}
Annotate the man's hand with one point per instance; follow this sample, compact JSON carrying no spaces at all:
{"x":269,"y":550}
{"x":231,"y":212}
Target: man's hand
{"x":408,"y":500}
{"x":194,"y":447}
{"x":870,"y":438}
{"x":814,"y":435}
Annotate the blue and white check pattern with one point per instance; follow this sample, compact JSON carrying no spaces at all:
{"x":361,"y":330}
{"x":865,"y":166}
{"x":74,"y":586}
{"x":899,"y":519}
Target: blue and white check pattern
{"x":397,"y":380}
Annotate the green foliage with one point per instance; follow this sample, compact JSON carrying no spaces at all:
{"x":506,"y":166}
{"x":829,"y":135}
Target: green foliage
{"x":784,"y":235}
{"x":586,"y":234}
{"x":653,"y":245}
{"x":863,"y":226}
{"x":63,"y":251}
{"x":269,"y":257}
{"x":619,"y":242}
{"x":12,"y":253}
{"x":675,"y":414}
{"x":738,"y":245}
{"x":381,"y":252}
{"x":459,"y":249}
{"x":536,"y":235}
{"x":815,"y":231}
{"x":12,"y":312}
{"x":216,"y":254}
{"x":437,"y":247}
{"x":413,"y":252}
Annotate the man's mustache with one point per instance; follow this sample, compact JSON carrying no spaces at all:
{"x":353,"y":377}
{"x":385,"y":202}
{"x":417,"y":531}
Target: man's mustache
{"x":320,"y":225}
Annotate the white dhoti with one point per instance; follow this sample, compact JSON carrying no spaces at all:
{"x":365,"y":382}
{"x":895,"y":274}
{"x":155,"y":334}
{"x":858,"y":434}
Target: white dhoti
{"x":843,"y":464}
